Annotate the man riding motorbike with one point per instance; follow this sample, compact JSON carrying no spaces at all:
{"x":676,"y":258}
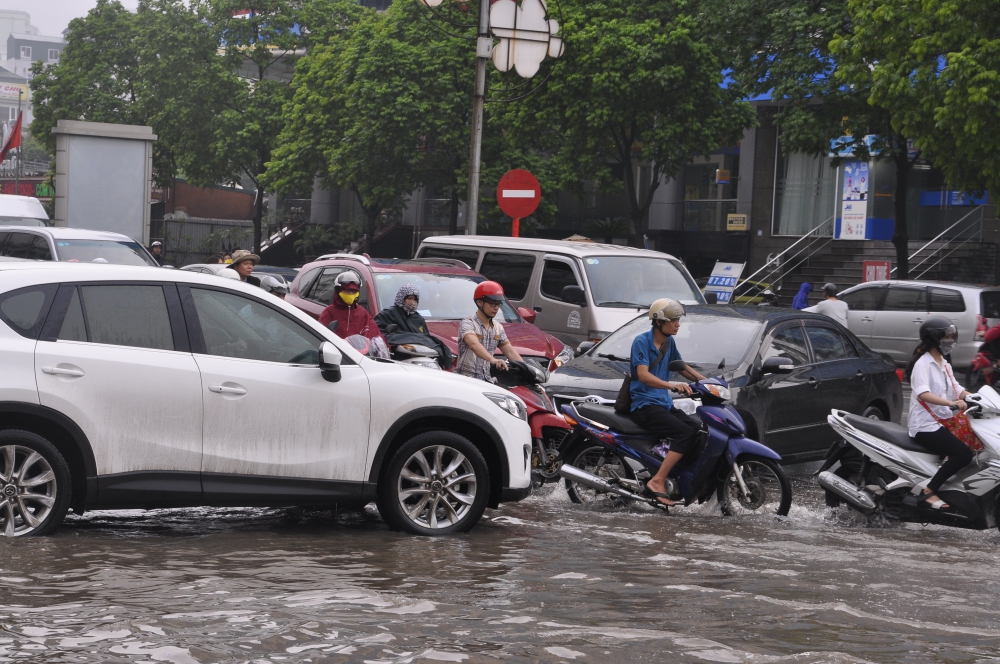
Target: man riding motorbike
{"x":352,"y":318}
{"x":479,"y":335}
{"x":410,"y":325}
{"x":652,"y":406}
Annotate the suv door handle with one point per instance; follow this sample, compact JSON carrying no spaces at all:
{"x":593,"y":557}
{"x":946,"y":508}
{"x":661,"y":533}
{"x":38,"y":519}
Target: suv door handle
{"x":813,"y":381}
{"x":61,"y":371}
{"x":861,"y":374}
{"x":538,"y":309}
{"x":224,"y":389}
{"x":918,"y":320}
{"x":866,"y":319}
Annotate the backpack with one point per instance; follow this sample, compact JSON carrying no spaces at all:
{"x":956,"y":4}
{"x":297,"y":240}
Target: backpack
{"x":623,"y":404}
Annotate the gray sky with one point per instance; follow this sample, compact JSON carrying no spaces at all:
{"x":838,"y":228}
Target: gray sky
{"x":52,"y":16}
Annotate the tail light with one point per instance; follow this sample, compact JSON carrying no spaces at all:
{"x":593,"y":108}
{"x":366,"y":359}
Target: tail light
{"x":899,"y":375}
{"x":981,"y":327}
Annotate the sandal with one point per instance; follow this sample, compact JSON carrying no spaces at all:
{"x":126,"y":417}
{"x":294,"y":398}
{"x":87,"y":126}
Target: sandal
{"x":658,"y":495}
{"x":937,"y":504}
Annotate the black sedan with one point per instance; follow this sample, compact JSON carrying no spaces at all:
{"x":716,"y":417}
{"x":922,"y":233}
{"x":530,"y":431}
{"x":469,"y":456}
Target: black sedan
{"x":786,"y":412}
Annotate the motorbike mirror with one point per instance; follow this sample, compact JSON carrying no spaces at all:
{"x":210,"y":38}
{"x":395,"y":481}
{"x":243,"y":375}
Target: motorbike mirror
{"x":777,"y":365}
{"x":527,"y":314}
{"x":330,"y":358}
{"x":333,"y":325}
{"x":574,"y":295}
{"x":677,"y":366}
{"x":711,"y":297}
{"x":391,"y":328}
{"x":584,"y":347}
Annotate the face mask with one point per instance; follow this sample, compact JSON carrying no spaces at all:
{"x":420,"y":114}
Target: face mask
{"x":947,"y":345}
{"x":410,"y":306}
{"x":349,"y":298}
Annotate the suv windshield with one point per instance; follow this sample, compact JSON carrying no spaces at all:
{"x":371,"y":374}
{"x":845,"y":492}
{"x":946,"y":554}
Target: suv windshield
{"x":442,"y":296}
{"x":625,"y":281}
{"x":21,"y":221}
{"x":703,"y":341}
{"x":102,"y":251}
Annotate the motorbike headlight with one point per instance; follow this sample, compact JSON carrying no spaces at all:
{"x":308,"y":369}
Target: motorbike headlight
{"x":564,"y":356}
{"x":510,"y":404}
{"x":719,"y":391}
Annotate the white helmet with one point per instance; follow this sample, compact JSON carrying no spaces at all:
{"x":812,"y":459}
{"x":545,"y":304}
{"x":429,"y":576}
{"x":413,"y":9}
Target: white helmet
{"x":348,"y":277}
{"x":228,"y":273}
{"x":274,"y":285}
{"x":666,"y":309}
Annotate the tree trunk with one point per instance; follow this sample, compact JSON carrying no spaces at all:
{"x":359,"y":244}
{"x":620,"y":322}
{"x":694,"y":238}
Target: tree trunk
{"x":901,"y":234}
{"x":258,"y":216}
{"x":453,"y":219}
{"x":371,"y":223}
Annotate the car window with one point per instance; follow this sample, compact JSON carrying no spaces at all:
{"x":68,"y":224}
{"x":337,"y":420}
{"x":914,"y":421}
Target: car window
{"x":990,"y":304}
{"x":127,"y":315}
{"x":556,"y":275}
{"x":947,"y":300}
{"x":40,"y":249}
{"x":24,"y":310}
{"x":3,"y":238}
{"x":240,"y":327}
{"x":306,"y":282}
{"x":864,"y":299}
{"x":74,"y":327}
{"x":789,"y":343}
{"x":322,"y":291}
{"x":512,"y":271}
{"x":118,"y":252}
{"x":19,"y":245}
{"x":829,"y":344}
{"x":905,"y":299}
{"x":442,"y":296}
{"x":468,"y":256}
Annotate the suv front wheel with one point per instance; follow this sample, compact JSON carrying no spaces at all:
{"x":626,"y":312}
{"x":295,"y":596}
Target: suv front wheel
{"x":437,"y":483}
{"x":34,"y":485}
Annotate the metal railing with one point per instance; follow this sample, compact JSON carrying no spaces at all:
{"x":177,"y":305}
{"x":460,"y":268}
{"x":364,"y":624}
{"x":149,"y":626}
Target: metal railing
{"x":971,"y":232}
{"x":778,"y":267}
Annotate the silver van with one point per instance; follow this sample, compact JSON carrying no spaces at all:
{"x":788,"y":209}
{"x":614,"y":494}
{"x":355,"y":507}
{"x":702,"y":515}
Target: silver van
{"x":575,"y":291}
{"x":887,"y":315}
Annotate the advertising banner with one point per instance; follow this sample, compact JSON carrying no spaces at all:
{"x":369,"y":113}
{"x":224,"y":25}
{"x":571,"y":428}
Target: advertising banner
{"x":875,"y":270}
{"x":724,"y":278}
{"x":9,"y":92}
{"x":854,"y":205}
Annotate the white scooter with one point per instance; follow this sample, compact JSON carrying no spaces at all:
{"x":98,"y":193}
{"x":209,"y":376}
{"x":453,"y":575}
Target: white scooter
{"x":883,"y":471}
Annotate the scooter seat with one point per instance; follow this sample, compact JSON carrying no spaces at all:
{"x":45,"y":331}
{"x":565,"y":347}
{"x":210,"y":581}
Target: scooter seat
{"x":608,"y":416}
{"x":888,"y":431}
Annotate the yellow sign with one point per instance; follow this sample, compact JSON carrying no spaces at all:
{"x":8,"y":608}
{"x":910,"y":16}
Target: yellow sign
{"x":9,"y":91}
{"x":736,"y":222}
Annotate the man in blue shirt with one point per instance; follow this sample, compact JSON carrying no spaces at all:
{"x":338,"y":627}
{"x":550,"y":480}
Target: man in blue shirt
{"x":652,"y":406}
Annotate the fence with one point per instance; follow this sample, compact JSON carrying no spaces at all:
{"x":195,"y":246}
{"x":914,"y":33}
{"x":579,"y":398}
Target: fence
{"x":191,"y":240}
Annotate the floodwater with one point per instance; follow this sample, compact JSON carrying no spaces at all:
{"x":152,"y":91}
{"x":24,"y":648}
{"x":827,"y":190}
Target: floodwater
{"x":541,"y":580}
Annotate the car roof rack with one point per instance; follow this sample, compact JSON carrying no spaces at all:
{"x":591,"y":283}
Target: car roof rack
{"x":345,"y":257}
{"x":454,"y":262}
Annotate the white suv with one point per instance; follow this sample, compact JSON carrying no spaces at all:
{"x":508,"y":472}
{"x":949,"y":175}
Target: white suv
{"x":124,"y":387}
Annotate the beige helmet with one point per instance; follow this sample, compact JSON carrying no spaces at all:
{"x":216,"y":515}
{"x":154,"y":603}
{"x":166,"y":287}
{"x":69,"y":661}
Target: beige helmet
{"x":666,"y":309}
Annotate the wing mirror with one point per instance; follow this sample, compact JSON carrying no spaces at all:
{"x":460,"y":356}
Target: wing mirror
{"x":711,"y":297}
{"x":677,"y":366}
{"x":585,"y":346}
{"x":527,"y":314}
{"x":330,"y":358}
{"x":333,"y":325}
{"x":574,"y":295}
{"x":777,"y":365}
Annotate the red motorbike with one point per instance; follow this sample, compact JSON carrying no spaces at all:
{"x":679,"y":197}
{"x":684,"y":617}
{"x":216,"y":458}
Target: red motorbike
{"x":985,"y":366}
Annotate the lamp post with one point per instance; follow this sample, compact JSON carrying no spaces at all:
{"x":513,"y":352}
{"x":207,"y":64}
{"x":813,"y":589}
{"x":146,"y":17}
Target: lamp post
{"x":484,"y":49}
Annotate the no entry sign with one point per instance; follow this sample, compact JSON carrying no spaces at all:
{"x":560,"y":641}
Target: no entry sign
{"x":518,"y":195}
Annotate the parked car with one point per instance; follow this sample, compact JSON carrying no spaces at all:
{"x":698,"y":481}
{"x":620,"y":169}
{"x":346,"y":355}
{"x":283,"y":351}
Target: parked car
{"x":446,"y":288}
{"x":579,"y":290}
{"x":747,"y":292}
{"x":125,"y":387}
{"x":285,"y":274}
{"x":886,"y":315}
{"x":22,"y":211}
{"x":786,"y":412}
{"x":72,"y":245}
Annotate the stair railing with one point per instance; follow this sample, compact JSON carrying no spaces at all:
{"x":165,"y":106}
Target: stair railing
{"x":781,"y":265}
{"x":972,"y":221}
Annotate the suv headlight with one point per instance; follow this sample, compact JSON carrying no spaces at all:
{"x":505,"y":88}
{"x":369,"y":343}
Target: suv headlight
{"x":564,"y":356}
{"x":510,"y":404}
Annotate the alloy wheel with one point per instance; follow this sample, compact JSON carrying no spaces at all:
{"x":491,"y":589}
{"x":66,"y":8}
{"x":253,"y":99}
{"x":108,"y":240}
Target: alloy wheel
{"x":28,"y":490}
{"x":437,"y":487}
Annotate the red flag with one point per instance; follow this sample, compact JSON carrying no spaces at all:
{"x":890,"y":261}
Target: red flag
{"x":14,"y":140}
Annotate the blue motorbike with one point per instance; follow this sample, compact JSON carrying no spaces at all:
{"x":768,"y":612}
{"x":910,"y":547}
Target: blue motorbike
{"x":609,"y":458}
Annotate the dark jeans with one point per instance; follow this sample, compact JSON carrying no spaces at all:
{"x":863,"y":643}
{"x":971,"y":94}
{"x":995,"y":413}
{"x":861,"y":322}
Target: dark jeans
{"x":672,"y":423}
{"x":942,"y":442}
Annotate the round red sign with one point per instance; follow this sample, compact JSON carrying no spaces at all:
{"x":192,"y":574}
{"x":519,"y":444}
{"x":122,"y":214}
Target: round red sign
{"x":518,"y":193}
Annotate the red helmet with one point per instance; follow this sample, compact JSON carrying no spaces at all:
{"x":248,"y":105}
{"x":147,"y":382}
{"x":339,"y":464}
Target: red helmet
{"x":489,"y":290}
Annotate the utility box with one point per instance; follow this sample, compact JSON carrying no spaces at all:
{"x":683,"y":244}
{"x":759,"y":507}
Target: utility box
{"x":104,"y":175}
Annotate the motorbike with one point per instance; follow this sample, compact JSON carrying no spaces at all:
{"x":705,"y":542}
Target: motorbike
{"x":548,"y":427}
{"x":409,"y":348}
{"x":883,"y":471}
{"x":983,"y":369}
{"x":609,"y":457}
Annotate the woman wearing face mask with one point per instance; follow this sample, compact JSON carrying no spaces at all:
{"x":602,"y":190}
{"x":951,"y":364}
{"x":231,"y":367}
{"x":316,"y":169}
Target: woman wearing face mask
{"x":404,"y":315}
{"x":934,"y":391}
{"x":351,"y":316}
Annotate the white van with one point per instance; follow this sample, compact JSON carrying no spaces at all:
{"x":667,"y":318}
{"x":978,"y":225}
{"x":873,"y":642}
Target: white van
{"x":575,"y":291}
{"x":22,"y":211}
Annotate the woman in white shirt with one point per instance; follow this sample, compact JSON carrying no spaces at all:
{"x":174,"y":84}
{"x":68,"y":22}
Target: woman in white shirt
{"x":934,"y":392}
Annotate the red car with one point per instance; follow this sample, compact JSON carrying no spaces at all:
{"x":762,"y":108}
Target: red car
{"x":446,"y":288}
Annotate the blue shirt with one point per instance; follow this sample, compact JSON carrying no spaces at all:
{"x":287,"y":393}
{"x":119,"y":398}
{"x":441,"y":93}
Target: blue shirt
{"x":645,"y":352}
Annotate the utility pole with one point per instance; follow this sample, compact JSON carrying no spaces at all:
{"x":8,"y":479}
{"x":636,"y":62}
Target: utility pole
{"x":484,"y":48}
{"x":20,"y":148}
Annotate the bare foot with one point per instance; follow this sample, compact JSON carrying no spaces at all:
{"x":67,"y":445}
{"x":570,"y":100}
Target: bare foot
{"x":930,"y":498}
{"x":659,"y":490}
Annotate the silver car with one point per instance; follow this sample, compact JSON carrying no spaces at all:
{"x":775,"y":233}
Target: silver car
{"x":886,"y":315}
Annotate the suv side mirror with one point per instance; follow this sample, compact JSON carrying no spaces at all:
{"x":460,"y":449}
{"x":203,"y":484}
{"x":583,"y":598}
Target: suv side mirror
{"x":330,"y":358}
{"x":711,"y":297}
{"x":333,"y":325}
{"x":677,"y":366}
{"x":585,"y":346}
{"x":777,"y":365}
{"x":574,"y":295}
{"x":527,"y":314}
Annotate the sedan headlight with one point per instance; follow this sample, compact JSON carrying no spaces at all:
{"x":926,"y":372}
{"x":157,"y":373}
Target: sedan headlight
{"x":564,"y":356}
{"x":512,"y":405}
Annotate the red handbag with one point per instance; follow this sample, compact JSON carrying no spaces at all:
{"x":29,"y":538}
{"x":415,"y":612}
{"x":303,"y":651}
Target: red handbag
{"x":957,"y":424}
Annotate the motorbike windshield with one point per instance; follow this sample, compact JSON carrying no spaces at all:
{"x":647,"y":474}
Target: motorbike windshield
{"x":703,"y":341}
{"x":442,"y":296}
{"x":626,"y":281}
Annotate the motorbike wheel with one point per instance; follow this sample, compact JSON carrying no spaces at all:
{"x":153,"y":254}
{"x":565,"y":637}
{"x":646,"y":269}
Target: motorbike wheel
{"x":599,"y":461}
{"x":768,"y":489}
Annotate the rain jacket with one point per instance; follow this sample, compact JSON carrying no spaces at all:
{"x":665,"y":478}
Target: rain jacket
{"x":801,"y":299}
{"x":354,"y":319}
{"x":412,"y":329}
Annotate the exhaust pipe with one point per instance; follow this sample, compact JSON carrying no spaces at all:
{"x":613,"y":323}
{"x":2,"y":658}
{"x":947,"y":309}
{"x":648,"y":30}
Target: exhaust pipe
{"x":574,"y":474}
{"x":859,"y":498}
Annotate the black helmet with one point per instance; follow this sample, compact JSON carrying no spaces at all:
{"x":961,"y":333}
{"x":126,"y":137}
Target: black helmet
{"x":830,"y":290}
{"x":939,"y":332}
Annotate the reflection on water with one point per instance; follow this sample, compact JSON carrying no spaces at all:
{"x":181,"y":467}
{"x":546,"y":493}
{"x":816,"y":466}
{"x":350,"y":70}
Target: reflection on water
{"x":543,"y":580}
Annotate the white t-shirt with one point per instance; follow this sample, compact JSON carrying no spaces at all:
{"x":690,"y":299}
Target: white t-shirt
{"x":835,"y":309}
{"x":939,"y":380}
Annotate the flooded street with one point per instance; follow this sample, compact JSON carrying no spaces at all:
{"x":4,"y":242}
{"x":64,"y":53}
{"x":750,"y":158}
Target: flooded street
{"x":543,"y":580}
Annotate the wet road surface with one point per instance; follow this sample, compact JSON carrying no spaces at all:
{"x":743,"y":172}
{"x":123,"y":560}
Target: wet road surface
{"x":542,"y":580}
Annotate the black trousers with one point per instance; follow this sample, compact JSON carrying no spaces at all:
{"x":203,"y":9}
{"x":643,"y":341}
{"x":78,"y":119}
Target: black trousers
{"x":942,"y":442}
{"x":672,"y":423}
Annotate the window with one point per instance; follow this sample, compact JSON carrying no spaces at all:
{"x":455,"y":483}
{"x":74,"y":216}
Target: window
{"x":989,"y":302}
{"x":789,"y":343}
{"x":53,"y":54}
{"x":322,"y":291}
{"x":39,"y":249}
{"x":127,"y":316}
{"x":805,"y":194}
{"x":946,"y":300}
{"x":864,"y":299}
{"x":829,"y":344}
{"x":26,"y":52}
{"x":468,"y":256}
{"x":512,"y":271}
{"x":905,"y":299}
{"x":24,"y":310}
{"x":306,"y":282}
{"x":19,"y":245}
{"x":555,"y":276}
{"x":239,"y":327}
{"x":74,"y":327}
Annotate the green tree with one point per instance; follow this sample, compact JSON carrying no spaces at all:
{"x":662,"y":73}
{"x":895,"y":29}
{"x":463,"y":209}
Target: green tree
{"x":638,"y":87}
